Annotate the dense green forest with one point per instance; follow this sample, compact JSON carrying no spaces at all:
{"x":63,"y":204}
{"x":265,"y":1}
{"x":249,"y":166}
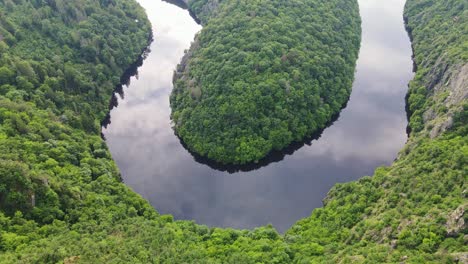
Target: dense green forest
{"x":262,"y":74}
{"x":61,"y":199}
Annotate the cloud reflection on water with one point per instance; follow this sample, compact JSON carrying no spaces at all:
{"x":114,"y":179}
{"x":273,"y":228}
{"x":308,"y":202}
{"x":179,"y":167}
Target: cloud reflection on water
{"x":368,"y":133}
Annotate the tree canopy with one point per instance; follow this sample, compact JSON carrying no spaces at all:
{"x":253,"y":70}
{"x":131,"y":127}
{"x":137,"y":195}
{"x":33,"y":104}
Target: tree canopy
{"x":262,"y":74}
{"x":62,"y":200}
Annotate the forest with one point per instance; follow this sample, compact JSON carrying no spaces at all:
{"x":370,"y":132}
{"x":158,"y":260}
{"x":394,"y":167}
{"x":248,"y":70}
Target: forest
{"x":62,"y":199}
{"x":263,"y":74}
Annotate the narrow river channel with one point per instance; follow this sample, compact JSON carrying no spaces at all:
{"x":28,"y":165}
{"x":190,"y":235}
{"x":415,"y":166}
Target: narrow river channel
{"x":368,"y":133}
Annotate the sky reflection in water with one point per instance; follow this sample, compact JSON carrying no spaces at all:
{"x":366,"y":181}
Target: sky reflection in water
{"x":369,"y":132}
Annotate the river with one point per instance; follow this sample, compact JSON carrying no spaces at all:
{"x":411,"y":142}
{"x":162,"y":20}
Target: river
{"x":368,"y":133}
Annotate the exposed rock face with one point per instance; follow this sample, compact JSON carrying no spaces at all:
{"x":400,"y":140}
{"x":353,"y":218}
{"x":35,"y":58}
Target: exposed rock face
{"x":458,"y":86}
{"x":456,"y":222}
{"x":449,"y":86}
{"x":461,"y":258}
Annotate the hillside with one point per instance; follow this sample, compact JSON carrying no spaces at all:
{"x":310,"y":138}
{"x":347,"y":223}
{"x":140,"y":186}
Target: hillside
{"x":61,"y":199}
{"x":414,"y":210}
{"x":263,"y":74}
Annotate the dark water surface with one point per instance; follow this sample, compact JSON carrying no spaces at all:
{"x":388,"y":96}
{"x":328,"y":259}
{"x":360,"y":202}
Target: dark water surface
{"x":368,"y":133}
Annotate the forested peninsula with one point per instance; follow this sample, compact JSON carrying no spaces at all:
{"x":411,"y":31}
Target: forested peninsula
{"x":263,"y":74}
{"x":62,"y":201}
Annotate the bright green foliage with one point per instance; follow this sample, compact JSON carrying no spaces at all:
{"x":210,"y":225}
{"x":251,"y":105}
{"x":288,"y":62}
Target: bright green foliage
{"x":262,"y":74}
{"x":402,"y":210}
{"x":440,"y":43}
{"x":67,"y":56}
{"x":59,"y":64}
{"x":408,"y":212}
{"x":61,"y":200}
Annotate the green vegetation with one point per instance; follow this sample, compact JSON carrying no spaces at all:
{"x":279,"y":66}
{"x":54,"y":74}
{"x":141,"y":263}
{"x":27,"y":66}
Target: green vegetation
{"x":61,"y":200}
{"x":441,"y":50}
{"x":262,"y":74}
{"x":414,"y":210}
{"x":59,"y":64}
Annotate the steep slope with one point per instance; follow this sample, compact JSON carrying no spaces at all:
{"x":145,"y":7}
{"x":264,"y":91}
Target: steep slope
{"x":61,"y":200}
{"x":414,"y":210}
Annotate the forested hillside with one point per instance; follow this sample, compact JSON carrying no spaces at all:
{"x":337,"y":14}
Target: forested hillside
{"x":414,"y":210}
{"x":262,"y":74}
{"x":61,"y":199}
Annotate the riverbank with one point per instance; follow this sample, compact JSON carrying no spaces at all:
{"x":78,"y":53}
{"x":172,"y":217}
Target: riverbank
{"x":368,"y":133}
{"x":69,"y":206}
